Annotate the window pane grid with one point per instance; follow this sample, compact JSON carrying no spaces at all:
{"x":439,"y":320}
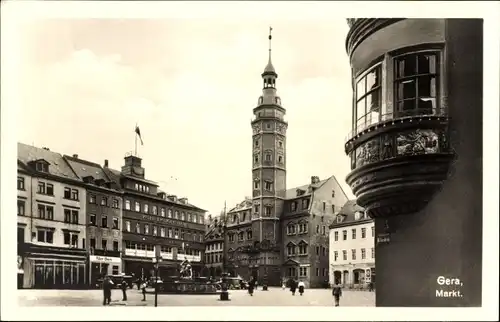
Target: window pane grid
{"x":368,"y":99}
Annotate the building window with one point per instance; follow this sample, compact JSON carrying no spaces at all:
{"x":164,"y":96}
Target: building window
{"x":373,"y":252}
{"x":333,"y":193}
{"x":303,"y":271}
{"x":104,"y":244}
{"x":324,"y":206}
{"x":354,"y":233}
{"x":336,"y":235}
{"x":92,"y":199}
{"x":256,"y":143}
{"x":368,"y":99}
{"x":20,"y":235}
{"x":363,"y":232}
{"x":189,"y":217}
{"x":170,"y":234}
{"x":137,"y":206}
{"x":335,"y":255}
{"x":292,"y":271}
{"x":146,"y":229}
{"x":176,"y":233}
{"x":46,"y":189}
{"x":231,"y":237}
{"x":317,"y":229}
{"x":176,"y":214}
{"x":249,"y":234}
{"x":162,"y":231}
{"x":303,"y":249}
{"x":268,"y":210}
{"x":280,"y":159}
{"x":137,"y":228}
{"x":115,"y":204}
{"x":20,"y":208}
{"x":363,"y":253}
{"x":415,"y":84}
{"x":70,"y":239}
{"x":195,"y":218}
{"x":155,"y":210}
{"x":127,"y":226}
{"x":353,"y":254}
{"x":146,"y":208}
{"x":325,"y":272}
{"x":324,"y":251}
{"x":290,"y":250}
{"x":169,"y":214}
{"x":269,"y":186}
{"x":42,"y":167}
{"x":127,"y":204}
{"x":268,"y":157}
{"x":373,"y":231}
{"x":20,"y":183}
{"x":344,"y":234}
{"x":280,"y":144}
{"x":293,"y":206}
{"x":70,"y":216}
{"x":305,"y":203}
{"x":256,"y":209}
{"x":323,"y":228}
{"x":183,"y":215}
{"x":115,"y":245}
{"x":92,"y":220}
{"x":333,"y":208}
{"x":104,"y":201}
{"x":45,"y":212}
{"x":303,"y":228}
{"x":182,"y":234}
{"x":155,"y":231}
{"x":317,"y":271}
{"x":45,"y":236}
{"x":92,"y":243}
{"x":290,"y":229}
{"x":104,"y":222}
{"x":240,"y":236}
{"x":317,"y":250}
{"x":115,"y":223}
{"x":344,"y":255}
{"x":256,"y":158}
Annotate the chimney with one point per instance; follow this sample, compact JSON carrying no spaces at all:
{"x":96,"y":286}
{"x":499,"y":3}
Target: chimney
{"x":314,"y":179}
{"x":106,"y":163}
{"x":75,"y":156}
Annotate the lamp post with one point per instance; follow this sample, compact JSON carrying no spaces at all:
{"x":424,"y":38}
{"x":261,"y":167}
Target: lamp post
{"x":224,"y":295}
{"x":156,"y":260}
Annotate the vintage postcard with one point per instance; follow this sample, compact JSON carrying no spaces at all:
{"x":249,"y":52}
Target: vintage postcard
{"x":253,"y":161}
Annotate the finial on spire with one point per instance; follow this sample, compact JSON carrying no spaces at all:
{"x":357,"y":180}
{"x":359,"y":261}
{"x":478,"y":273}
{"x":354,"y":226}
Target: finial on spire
{"x":270,"y":38}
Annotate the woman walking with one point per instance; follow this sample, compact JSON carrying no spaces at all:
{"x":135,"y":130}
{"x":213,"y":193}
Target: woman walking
{"x":251,"y":285}
{"x":302,"y":286}
{"x":293,"y":286}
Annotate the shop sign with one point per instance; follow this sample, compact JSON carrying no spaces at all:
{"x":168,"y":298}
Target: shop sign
{"x":104,"y":259}
{"x":383,"y":238}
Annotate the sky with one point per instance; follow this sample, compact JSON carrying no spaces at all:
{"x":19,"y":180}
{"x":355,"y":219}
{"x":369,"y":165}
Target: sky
{"x":190,"y":85}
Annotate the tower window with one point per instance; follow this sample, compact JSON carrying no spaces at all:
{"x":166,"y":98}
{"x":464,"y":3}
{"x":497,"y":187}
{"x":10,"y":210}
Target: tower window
{"x":269,"y":186}
{"x":256,"y":185}
{"x":256,"y":159}
{"x":268,"y":157}
{"x":268,"y":210}
{"x":280,"y":144}
{"x":256,"y":142}
{"x":268,"y":125}
{"x":280,"y":159}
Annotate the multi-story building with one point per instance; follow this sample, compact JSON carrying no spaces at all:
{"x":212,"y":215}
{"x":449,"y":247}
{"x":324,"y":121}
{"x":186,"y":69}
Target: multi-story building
{"x":214,"y":247}
{"x":259,"y":242}
{"x":103,"y":218}
{"x":51,"y":221}
{"x":416,"y":154}
{"x":352,"y":247}
{"x":152,"y":218}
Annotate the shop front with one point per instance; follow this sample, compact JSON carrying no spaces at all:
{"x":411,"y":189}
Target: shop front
{"x":101,"y":266}
{"x":54,"y":268}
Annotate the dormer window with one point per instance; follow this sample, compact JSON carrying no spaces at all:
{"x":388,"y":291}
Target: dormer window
{"x":300,"y":192}
{"x":358,"y":215}
{"x":277,"y":100}
{"x":42,"y":166}
{"x":261,"y":100}
{"x":340,"y":218}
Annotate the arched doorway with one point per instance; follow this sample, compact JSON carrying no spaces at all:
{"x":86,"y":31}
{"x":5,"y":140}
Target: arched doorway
{"x":358,"y":276}
{"x":337,"y":277}
{"x":345,"y":280}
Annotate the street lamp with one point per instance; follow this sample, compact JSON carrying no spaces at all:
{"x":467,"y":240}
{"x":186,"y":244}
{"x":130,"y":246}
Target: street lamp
{"x":156,"y":261}
{"x":224,"y":295}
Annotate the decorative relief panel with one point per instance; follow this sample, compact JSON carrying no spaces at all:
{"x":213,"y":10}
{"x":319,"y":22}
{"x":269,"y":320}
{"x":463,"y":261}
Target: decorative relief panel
{"x":367,"y":152}
{"x":256,"y":128}
{"x":417,"y":142}
{"x":387,"y":146}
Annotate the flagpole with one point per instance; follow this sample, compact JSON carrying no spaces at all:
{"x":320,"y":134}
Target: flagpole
{"x":135,"y":131}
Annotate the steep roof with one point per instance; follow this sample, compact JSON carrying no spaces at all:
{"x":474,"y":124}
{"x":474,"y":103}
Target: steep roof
{"x":84,"y":168}
{"x":58,"y":166}
{"x":292,"y":193}
{"x":348,"y":211}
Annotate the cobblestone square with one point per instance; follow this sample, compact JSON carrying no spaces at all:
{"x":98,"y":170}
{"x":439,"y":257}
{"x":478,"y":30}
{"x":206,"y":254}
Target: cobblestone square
{"x":272,"y":297}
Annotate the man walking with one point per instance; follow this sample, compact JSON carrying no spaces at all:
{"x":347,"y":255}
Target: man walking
{"x":107,"y":284}
{"x":143,"y":287}
{"x":124,"y":286}
{"x":337,"y":293}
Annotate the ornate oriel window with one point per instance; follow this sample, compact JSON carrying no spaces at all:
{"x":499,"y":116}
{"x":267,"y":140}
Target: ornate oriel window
{"x":368,"y":99}
{"x":415,"y":81}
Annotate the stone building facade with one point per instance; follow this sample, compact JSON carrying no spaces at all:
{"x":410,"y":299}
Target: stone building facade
{"x":416,"y":153}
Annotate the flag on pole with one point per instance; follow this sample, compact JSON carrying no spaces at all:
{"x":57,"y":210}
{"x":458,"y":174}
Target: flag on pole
{"x":138,"y":132}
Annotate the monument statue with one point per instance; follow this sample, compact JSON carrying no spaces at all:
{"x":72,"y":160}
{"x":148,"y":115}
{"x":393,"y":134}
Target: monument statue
{"x":186,"y":271}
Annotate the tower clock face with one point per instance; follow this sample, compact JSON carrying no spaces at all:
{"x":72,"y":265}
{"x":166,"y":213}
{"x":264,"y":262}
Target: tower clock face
{"x":138,"y":171}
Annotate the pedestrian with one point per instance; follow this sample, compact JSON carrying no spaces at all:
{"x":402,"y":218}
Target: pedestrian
{"x":293,"y":286}
{"x":301,"y":287}
{"x":337,"y":293}
{"x":251,"y":285}
{"x":370,"y":286}
{"x":143,"y":286}
{"x":138,"y":282}
{"x":107,"y":284}
{"x":124,"y":286}
{"x":283,"y":285}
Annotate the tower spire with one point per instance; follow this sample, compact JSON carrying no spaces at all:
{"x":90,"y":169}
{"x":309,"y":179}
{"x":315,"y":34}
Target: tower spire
{"x":270,"y":40}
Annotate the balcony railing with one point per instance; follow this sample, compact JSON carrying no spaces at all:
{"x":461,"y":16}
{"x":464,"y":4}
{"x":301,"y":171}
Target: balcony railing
{"x":372,"y":119}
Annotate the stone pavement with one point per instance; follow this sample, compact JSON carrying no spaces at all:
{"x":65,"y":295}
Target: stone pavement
{"x":272,"y":297}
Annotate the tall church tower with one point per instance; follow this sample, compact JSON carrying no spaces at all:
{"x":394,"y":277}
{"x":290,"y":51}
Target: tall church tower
{"x":269,"y":165}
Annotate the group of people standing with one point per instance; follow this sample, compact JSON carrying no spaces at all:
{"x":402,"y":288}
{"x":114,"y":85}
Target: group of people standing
{"x":294,"y":285}
{"x":108,"y":285}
